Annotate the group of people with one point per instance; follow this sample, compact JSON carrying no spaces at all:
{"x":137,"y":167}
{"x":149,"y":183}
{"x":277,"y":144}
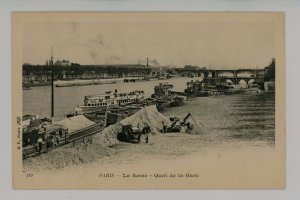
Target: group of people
{"x":51,"y":141}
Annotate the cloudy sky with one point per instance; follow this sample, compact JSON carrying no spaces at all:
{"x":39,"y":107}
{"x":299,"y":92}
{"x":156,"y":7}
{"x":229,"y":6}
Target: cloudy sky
{"x":175,"y":41}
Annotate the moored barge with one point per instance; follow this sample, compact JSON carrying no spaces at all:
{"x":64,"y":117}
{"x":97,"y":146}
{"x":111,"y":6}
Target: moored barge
{"x":165,"y":98}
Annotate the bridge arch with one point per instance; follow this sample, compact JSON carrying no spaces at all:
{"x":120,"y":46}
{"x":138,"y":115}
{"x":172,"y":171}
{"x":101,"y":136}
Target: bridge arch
{"x":202,"y":73}
{"x":229,"y":81}
{"x":225,"y":73}
{"x":251,"y":81}
{"x":242,"y":81}
{"x":245,"y":81}
{"x":245,"y":73}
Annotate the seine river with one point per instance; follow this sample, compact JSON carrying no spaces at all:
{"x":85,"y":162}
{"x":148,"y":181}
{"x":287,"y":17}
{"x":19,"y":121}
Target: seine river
{"x":241,"y":117}
{"x":38,"y":99}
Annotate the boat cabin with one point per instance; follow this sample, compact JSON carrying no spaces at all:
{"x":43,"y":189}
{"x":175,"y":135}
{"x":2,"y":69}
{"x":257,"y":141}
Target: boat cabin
{"x":194,"y":87}
{"x":104,"y":100}
{"x":162,"y":90}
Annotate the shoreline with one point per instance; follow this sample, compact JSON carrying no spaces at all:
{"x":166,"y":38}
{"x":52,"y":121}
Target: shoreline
{"x":80,"y":82}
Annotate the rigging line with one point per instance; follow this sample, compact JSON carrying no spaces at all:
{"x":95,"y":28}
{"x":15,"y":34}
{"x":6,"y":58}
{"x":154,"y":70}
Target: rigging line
{"x":196,"y":121}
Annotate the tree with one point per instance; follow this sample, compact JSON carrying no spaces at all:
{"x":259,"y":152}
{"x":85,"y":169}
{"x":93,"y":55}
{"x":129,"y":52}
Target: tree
{"x":269,"y":74}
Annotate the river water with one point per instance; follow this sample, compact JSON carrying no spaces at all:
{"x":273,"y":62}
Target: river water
{"x":243,"y":117}
{"x":38,"y":99}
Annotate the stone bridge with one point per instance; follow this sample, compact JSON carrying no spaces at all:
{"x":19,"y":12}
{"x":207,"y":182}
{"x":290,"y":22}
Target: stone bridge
{"x":235,"y":73}
{"x":253,"y":74}
{"x":236,"y":80}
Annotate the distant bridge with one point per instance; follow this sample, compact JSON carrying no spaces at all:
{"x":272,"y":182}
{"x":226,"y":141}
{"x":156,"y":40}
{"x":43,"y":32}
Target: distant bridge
{"x":236,"y":80}
{"x":217,"y":72}
{"x":256,"y":75}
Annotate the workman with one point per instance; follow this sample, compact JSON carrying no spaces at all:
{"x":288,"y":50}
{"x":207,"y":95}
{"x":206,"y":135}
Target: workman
{"x":146,"y":129}
{"x":40,"y":144}
{"x":164,"y":127}
{"x":189,"y":127}
{"x":147,"y":138}
{"x":55,"y":141}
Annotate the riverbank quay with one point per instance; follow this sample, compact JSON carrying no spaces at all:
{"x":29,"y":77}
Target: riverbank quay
{"x":74,"y":82}
{"x":74,"y":129}
{"x":243,"y":121}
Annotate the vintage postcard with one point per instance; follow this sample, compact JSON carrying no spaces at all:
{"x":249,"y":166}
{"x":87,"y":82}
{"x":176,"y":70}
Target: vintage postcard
{"x":148,"y":100}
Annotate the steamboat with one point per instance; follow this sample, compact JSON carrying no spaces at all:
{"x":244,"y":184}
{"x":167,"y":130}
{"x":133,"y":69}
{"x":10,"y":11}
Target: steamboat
{"x":165,"y":97}
{"x":100,"y":102}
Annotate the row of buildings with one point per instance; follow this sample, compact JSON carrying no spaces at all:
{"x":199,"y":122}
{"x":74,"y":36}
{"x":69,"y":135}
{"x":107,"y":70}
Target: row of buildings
{"x":65,"y":70}
{"x":42,"y":73}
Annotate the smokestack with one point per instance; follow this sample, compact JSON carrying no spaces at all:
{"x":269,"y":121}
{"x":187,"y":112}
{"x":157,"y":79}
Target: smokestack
{"x":147,"y":62}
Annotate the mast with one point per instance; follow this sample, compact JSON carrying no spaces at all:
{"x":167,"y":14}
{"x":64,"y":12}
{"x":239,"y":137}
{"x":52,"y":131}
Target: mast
{"x":52,"y":87}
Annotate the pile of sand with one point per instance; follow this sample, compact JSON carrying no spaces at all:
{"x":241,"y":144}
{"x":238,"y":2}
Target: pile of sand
{"x":64,"y":157}
{"x":147,"y":115}
{"x":198,"y":126}
{"x":108,"y":136}
{"x":76,"y":123}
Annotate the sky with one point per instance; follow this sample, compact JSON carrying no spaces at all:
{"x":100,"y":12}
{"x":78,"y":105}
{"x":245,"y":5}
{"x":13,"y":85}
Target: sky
{"x":167,"y":42}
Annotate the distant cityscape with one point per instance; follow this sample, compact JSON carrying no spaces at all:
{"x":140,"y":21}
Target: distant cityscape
{"x":66,"y":70}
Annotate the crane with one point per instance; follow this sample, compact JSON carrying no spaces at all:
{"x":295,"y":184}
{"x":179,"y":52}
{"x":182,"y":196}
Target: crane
{"x":177,"y":127}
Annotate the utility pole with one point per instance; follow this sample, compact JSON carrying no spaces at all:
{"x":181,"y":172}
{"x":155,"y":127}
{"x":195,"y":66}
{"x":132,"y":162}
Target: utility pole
{"x":52,"y":87}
